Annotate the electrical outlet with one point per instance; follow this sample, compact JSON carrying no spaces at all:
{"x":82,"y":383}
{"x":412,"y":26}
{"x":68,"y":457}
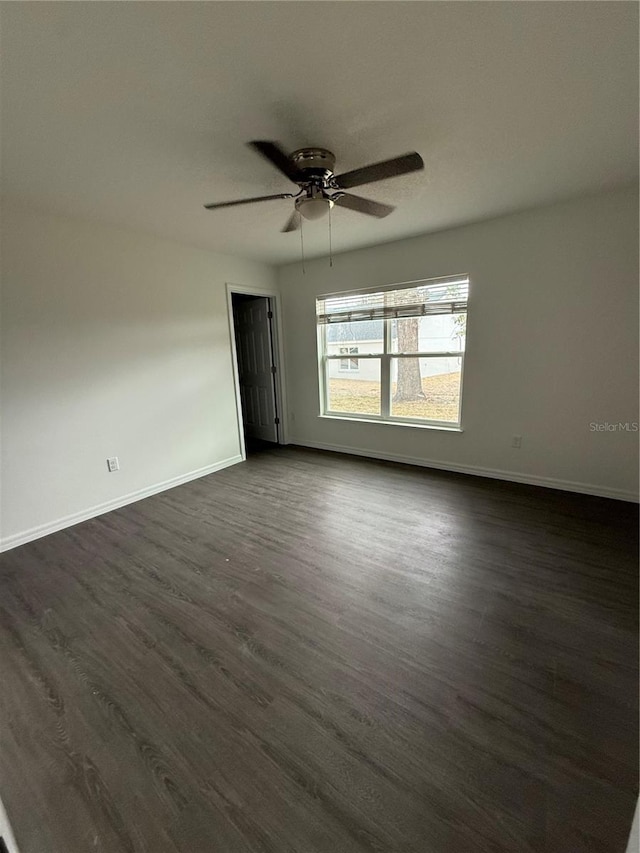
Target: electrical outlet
{"x":113,"y":464}
{"x":516,"y":441}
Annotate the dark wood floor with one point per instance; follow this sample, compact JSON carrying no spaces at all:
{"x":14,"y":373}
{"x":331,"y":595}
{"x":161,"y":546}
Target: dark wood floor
{"x":312,"y":653}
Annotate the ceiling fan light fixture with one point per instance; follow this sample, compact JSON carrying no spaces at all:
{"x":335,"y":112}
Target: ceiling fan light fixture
{"x":314,"y":208}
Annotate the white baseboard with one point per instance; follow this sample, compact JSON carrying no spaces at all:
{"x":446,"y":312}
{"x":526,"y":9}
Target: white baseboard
{"x":85,"y":514}
{"x":513,"y":476}
{"x":476,"y":470}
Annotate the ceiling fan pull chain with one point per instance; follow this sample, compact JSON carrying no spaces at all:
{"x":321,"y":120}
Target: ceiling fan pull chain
{"x":330,"y":250}
{"x":302,"y":244}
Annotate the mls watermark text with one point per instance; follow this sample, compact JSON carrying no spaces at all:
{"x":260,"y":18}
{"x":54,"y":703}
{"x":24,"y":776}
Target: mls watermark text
{"x":618,"y":426}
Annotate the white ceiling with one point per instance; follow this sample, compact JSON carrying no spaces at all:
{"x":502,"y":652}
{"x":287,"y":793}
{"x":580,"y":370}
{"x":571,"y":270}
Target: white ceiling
{"x":137,"y":113}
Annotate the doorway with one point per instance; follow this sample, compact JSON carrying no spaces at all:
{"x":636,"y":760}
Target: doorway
{"x":254,"y":331}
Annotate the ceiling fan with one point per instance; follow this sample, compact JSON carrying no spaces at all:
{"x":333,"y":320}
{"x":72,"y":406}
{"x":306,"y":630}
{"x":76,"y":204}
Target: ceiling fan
{"x":312,"y":170}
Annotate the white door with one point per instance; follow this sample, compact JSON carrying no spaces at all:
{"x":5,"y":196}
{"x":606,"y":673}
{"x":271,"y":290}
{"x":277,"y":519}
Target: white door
{"x":252,"y":321}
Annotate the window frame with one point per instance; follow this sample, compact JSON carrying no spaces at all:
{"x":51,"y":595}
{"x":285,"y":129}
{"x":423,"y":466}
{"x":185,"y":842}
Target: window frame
{"x":385,"y":358}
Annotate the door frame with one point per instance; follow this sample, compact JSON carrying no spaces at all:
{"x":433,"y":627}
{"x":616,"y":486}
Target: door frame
{"x":278,"y":357}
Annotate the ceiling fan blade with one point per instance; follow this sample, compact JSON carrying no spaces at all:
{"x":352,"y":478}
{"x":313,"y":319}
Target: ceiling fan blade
{"x":247,"y":200}
{"x":277,"y":157}
{"x":293,"y":223}
{"x":364,"y":205}
{"x":411,"y":162}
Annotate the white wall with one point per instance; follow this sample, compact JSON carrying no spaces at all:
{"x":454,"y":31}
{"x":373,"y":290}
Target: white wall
{"x":113,"y":344}
{"x":552,"y":344}
{"x":117,"y":343}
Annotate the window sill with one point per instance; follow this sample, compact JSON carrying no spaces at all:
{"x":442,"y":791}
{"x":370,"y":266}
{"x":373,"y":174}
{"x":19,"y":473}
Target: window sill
{"x":414,"y":424}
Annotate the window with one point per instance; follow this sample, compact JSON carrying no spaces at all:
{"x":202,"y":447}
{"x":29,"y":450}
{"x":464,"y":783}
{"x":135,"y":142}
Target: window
{"x":349,"y":363}
{"x":410,"y":344}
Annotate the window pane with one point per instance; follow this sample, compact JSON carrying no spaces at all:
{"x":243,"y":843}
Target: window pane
{"x":354,"y":391}
{"x":435,"y":333}
{"x":349,"y":363}
{"x":365,"y":337}
{"x":426,"y":388}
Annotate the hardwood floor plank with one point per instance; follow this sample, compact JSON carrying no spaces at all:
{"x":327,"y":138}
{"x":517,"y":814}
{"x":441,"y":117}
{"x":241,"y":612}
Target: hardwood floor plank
{"x":317,"y":653}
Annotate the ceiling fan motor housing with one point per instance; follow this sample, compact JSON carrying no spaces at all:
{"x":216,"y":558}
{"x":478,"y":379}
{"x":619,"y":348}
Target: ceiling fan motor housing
{"x":316,"y":164}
